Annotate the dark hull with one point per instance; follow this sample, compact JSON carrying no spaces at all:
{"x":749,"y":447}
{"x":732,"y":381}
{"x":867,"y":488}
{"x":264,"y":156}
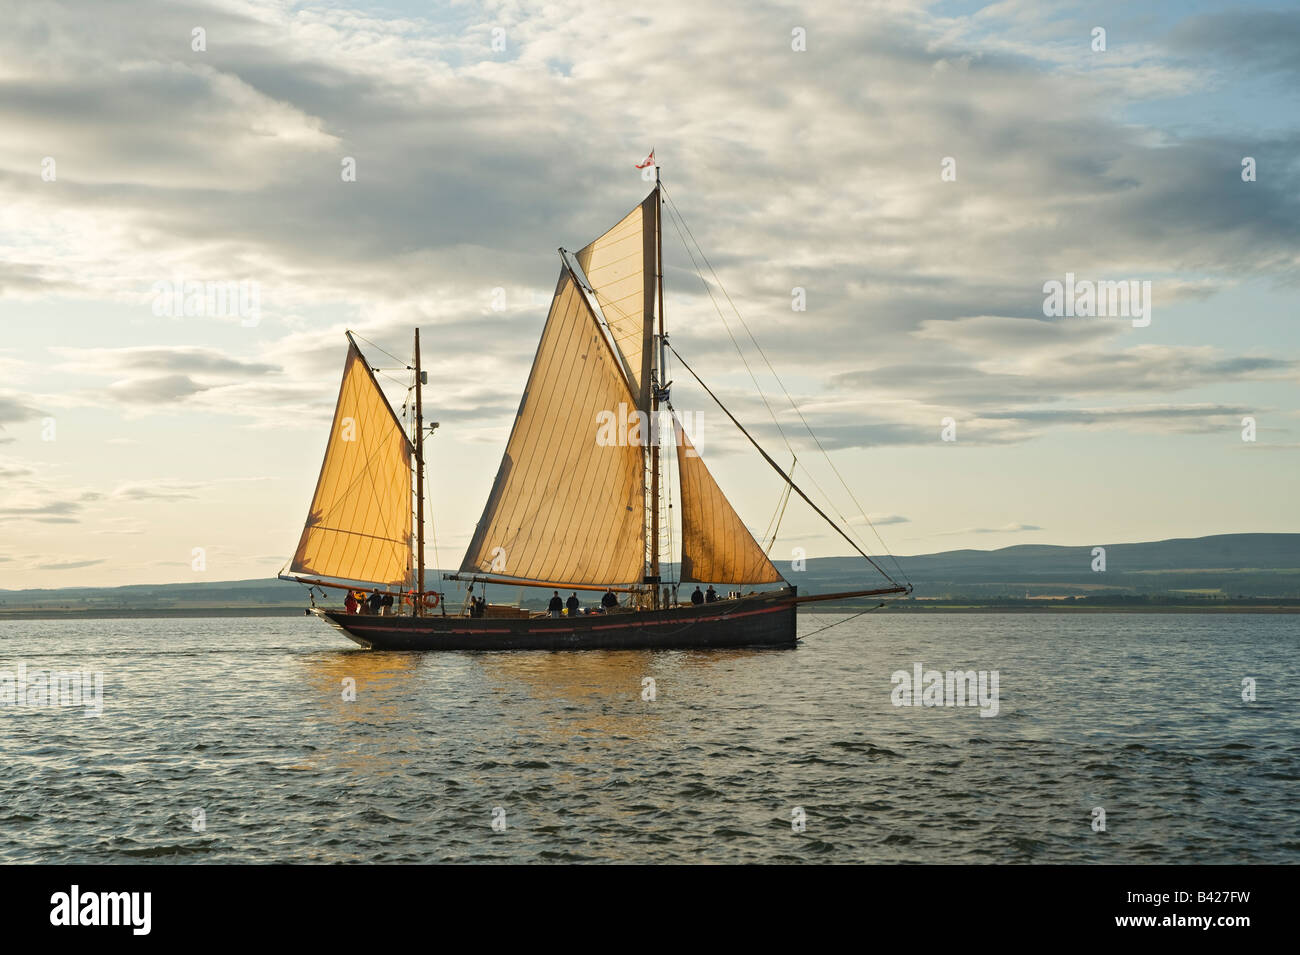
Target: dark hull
{"x":754,"y":621}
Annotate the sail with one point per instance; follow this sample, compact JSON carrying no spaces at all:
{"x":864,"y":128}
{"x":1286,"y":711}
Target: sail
{"x":566,"y":507}
{"x":620,"y":266}
{"x":716,"y":545}
{"x":359,"y":525}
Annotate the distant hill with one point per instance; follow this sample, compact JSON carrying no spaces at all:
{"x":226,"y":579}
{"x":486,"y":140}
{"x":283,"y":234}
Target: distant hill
{"x":1247,"y":565}
{"x":1223,"y":566}
{"x":254,"y":595}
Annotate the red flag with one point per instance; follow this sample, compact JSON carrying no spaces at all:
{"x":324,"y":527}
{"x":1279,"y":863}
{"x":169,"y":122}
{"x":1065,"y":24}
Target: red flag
{"x":649,"y":161}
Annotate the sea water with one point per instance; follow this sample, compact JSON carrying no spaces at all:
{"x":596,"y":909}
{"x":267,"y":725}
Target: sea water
{"x":1168,"y":738}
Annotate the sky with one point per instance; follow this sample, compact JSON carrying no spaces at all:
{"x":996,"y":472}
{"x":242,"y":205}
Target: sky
{"x":920,"y":170}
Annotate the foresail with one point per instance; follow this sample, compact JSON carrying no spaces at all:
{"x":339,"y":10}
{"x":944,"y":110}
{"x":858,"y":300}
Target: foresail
{"x":716,"y":545}
{"x":359,"y":526}
{"x":620,"y":266}
{"x":567,"y":508}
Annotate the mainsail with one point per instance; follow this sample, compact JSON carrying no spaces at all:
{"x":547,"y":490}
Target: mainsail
{"x":620,"y":267}
{"x":359,"y":525}
{"x":716,"y":545}
{"x":565,"y":508}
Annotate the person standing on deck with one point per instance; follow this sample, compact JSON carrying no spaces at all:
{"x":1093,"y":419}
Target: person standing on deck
{"x":573,"y":604}
{"x":609,"y":601}
{"x":372,"y":604}
{"x":710,"y":595}
{"x":350,"y":603}
{"x":386,"y":606}
{"x":556,"y":604}
{"x":697,"y":597}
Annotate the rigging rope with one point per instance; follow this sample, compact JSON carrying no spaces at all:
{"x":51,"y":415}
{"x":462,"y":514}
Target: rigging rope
{"x":677,"y":216}
{"x":777,"y":468}
{"x":775,"y":420}
{"x":384,"y":350}
{"x":845,"y":620}
{"x":774,"y":525}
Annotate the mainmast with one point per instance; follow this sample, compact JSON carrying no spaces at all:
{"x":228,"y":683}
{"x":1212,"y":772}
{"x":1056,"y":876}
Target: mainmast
{"x":656,"y":381}
{"x":419,"y":479}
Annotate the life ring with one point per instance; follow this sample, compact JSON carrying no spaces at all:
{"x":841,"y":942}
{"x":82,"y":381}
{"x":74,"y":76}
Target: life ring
{"x":431,"y":601}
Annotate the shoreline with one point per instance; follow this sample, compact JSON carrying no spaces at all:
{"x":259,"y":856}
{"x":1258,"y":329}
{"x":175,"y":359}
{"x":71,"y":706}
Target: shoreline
{"x":145,"y":613}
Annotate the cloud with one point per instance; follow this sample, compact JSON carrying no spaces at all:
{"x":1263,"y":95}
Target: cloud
{"x":244,"y":144}
{"x":15,"y":408}
{"x":159,"y":491}
{"x":71,"y":564}
{"x":159,"y":376}
{"x":180,"y":359}
{"x":40,"y":510}
{"x":1161,"y":418}
{"x":880,"y":244}
{"x":30,"y":500}
{"x":988,"y":371}
{"x":157,"y":390}
{"x":1263,"y":41}
{"x":1004,"y":529}
{"x":880,"y":520}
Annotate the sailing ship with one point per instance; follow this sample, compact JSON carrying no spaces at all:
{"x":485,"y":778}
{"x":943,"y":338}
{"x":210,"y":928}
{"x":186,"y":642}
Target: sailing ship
{"x":575,"y":506}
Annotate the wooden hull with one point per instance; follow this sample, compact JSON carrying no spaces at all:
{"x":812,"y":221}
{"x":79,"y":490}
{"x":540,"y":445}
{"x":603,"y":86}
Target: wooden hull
{"x":760,"y":620}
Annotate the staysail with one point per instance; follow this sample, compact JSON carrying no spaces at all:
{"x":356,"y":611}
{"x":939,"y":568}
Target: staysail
{"x":567,"y":507}
{"x":620,"y":267}
{"x":359,"y":525}
{"x":716,"y":545}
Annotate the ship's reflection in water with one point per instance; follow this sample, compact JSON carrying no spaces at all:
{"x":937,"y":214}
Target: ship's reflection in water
{"x":593,"y":742}
{"x":600,"y":700}
{"x":603,"y":695}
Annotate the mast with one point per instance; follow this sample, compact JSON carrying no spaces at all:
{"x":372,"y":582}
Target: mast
{"x":419,"y":477}
{"x":655,"y":384}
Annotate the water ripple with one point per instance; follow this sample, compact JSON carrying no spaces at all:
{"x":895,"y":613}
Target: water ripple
{"x":240,"y":740}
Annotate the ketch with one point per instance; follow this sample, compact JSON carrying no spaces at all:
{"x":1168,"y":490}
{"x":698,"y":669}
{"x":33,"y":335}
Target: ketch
{"x":582,"y":501}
